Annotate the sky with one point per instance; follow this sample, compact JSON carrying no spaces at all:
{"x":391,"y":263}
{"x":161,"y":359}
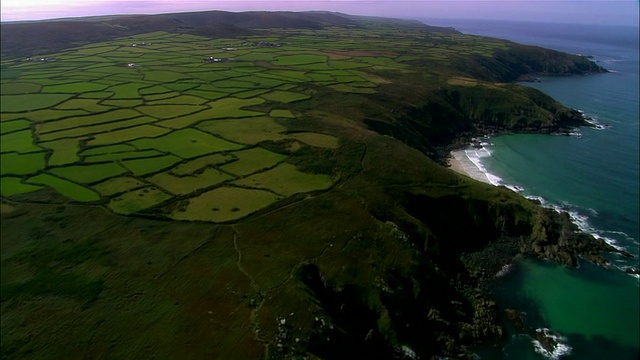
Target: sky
{"x":605,"y":12}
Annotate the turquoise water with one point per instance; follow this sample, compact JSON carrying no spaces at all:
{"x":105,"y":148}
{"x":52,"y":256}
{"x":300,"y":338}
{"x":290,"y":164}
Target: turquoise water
{"x":594,"y":176}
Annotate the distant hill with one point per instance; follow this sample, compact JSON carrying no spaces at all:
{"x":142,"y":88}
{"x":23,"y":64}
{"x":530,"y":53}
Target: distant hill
{"x":41,"y":37}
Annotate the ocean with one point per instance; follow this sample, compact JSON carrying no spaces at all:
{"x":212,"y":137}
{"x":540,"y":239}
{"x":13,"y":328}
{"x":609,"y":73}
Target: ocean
{"x":591,"y":312}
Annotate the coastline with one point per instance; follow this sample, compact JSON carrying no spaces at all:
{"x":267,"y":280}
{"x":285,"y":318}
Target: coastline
{"x":456,"y":165}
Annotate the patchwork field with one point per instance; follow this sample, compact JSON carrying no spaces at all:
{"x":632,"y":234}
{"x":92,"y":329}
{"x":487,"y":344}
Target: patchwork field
{"x":142,"y":128}
{"x":147,"y":128}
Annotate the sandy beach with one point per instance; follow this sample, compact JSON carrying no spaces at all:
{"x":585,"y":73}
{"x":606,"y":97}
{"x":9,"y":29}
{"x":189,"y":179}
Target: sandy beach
{"x":456,"y":165}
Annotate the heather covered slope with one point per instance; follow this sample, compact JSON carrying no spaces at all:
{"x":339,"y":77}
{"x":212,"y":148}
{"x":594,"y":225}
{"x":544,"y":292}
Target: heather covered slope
{"x":268,"y":189}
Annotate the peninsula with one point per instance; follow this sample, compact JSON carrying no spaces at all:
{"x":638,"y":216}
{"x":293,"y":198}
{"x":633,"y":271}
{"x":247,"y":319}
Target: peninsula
{"x":263,"y":185}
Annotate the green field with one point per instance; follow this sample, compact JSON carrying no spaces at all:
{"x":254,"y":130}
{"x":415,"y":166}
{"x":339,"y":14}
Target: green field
{"x":21,"y":164}
{"x":10,"y":185}
{"x":13,"y":125}
{"x":252,"y":160}
{"x":118,"y":185}
{"x":248,"y":131}
{"x":64,"y":151}
{"x":187,"y":143}
{"x":286,"y":180}
{"x":66,"y":188}
{"x":19,"y":141}
{"x":119,"y":136}
{"x":225,"y":204}
{"x":69,"y":123}
{"x":195,"y":165}
{"x":29,"y":102}
{"x":137,"y":200}
{"x":86,"y":174}
{"x":146,"y":166}
{"x":182,"y":185}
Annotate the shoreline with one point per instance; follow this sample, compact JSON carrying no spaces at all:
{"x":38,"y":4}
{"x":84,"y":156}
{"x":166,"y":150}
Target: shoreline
{"x":456,"y":165}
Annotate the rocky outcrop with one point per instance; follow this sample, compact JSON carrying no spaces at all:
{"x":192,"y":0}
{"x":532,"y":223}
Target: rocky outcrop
{"x":557,"y":238}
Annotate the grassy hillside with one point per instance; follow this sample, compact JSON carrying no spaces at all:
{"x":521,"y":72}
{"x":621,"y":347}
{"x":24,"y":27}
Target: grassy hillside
{"x":261,"y":185}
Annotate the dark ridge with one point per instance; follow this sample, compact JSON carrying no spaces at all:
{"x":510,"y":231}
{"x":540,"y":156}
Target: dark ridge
{"x":22,"y":39}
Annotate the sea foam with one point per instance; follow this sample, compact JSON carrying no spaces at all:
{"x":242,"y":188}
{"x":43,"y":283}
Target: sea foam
{"x":471,"y":161}
{"x":561,"y":348}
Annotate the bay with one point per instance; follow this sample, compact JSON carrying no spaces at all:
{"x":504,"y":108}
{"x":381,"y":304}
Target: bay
{"x":594,"y":176}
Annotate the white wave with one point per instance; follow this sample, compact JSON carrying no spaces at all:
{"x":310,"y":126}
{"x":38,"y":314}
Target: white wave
{"x":561,"y":349}
{"x":504,"y":271}
{"x":539,"y":199}
{"x":408,"y":352}
{"x":480,"y":172}
{"x":471,"y":161}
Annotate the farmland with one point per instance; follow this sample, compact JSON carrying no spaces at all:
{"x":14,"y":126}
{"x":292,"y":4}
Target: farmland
{"x":140,"y":120}
{"x":255,"y":192}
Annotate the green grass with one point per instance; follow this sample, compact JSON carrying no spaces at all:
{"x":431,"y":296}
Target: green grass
{"x":164,"y":76}
{"x":249,"y":94}
{"x":343,"y":65}
{"x":192,"y":166}
{"x":146,"y":166}
{"x":182,"y":86}
{"x":187,"y":143}
{"x":86,"y":174}
{"x":96,"y":95}
{"x":47,"y":115}
{"x":21,"y":164}
{"x":163,"y":96}
{"x":187,"y":184}
{"x":89,"y":105}
{"x":124,"y":103}
{"x":137,"y":200}
{"x":252,"y":160}
{"x":29,"y":102}
{"x":286,"y":180}
{"x":108,"y":149}
{"x":209,"y":95}
{"x":13,"y":185}
{"x":224,"y":204}
{"x":65,"y":151}
{"x":118,"y":185}
{"x":14,"y":125}
{"x":232,"y":107}
{"x":119,"y":136}
{"x":179,"y":100}
{"x":233,"y":83}
{"x":153,"y":90}
{"x":281,"y":113}
{"x":246,"y":131}
{"x":95,"y":129}
{"x":108,"y":117}
{"x":74,"y":88}
{"x":18,"y":88}
{"x":126,"y":91}
{"x":169,"y":111}
{"x":19,"y":141}
{"x":122,"y":156}
{"x":66,"y":188}
{"x":285,"y":96}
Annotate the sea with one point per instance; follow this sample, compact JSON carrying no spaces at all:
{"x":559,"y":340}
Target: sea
{"x":590,"y":312}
